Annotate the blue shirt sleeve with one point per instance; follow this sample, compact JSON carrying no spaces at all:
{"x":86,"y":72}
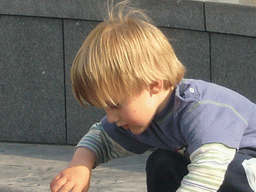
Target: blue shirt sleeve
{"x":212,"y":122}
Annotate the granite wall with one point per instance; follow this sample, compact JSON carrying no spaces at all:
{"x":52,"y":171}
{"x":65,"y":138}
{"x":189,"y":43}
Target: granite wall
{"x":39,"y":40}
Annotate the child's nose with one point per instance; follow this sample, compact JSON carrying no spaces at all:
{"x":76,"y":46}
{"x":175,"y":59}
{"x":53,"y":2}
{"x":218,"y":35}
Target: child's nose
{"x":112,"y":116}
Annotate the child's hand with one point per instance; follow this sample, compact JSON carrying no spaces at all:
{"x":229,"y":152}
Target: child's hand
{"x":75,"y":179}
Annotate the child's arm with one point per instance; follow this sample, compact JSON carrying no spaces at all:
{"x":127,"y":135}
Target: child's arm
{"x":95,"y":147}
{"x":102,"y":145}
{"x":207,"y":169}
{"x":77,"y":176}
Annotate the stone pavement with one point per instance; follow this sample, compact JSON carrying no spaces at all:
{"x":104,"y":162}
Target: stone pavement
{"x":31,"y":167}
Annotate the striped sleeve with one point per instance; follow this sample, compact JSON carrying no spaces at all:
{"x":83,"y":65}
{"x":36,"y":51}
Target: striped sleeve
{"x":207,"y":169}
{"x":105,"y":148}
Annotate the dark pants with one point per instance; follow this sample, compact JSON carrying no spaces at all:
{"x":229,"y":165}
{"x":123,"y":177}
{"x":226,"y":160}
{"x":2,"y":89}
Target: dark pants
{"x":235,"y":178}
{"x":166,"y":169}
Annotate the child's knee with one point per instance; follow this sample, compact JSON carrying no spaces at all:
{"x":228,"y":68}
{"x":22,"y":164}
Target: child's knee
{"x":162,"y":159}
{"x":158,"y":158}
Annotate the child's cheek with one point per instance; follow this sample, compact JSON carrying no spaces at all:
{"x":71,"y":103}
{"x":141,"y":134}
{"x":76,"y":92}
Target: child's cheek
{"x":133,"y":118}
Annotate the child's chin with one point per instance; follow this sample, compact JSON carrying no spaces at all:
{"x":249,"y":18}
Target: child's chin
{"x":137,"y":131}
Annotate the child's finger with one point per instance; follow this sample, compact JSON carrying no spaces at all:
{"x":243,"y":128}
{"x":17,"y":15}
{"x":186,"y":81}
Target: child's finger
{"x":56,"y":185}
{"x":67,"y":187}
{"x":54,"y":180}
{"x":79,"y":189}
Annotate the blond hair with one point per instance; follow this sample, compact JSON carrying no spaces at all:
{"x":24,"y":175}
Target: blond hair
{"x":121,"y":56}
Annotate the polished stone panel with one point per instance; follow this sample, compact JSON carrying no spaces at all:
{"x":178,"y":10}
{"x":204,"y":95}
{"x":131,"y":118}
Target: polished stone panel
{"x":233,"y":63}
{"x":192,"y":49}
{"x":32,"y":87}
{"x":231,"y":19}
{"x":79,"y":119}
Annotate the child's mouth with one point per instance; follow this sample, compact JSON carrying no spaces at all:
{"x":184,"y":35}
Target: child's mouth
{"x":126,"y":126}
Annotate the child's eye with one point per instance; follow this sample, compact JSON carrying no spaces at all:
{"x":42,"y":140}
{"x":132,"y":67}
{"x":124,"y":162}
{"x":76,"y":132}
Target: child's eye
{"x":114,"y":106}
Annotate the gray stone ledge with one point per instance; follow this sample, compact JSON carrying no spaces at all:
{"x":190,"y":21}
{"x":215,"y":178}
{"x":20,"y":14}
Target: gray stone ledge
{"x":237,"y":2}
{"x":169,"y":13}
{"x":53,"y":8}
{"x":183,"y":14}
{"x":230,"y":18}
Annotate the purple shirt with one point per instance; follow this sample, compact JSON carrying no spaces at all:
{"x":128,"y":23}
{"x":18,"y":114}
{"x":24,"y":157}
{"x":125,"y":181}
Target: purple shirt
{"x":197,"y":113}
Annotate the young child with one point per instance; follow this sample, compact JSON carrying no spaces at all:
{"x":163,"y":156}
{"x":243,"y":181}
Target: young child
{"x":204,"y":134}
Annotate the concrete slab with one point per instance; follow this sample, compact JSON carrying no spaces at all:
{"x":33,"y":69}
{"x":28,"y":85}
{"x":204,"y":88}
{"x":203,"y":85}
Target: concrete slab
{"x":30,"y":168}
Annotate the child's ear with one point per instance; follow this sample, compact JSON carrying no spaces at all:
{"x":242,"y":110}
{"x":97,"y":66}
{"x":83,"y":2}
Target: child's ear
{"x":156,"y":86}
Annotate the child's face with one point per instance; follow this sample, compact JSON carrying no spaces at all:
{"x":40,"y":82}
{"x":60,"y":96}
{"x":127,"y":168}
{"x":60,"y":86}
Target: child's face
{"x":135,"y":114}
